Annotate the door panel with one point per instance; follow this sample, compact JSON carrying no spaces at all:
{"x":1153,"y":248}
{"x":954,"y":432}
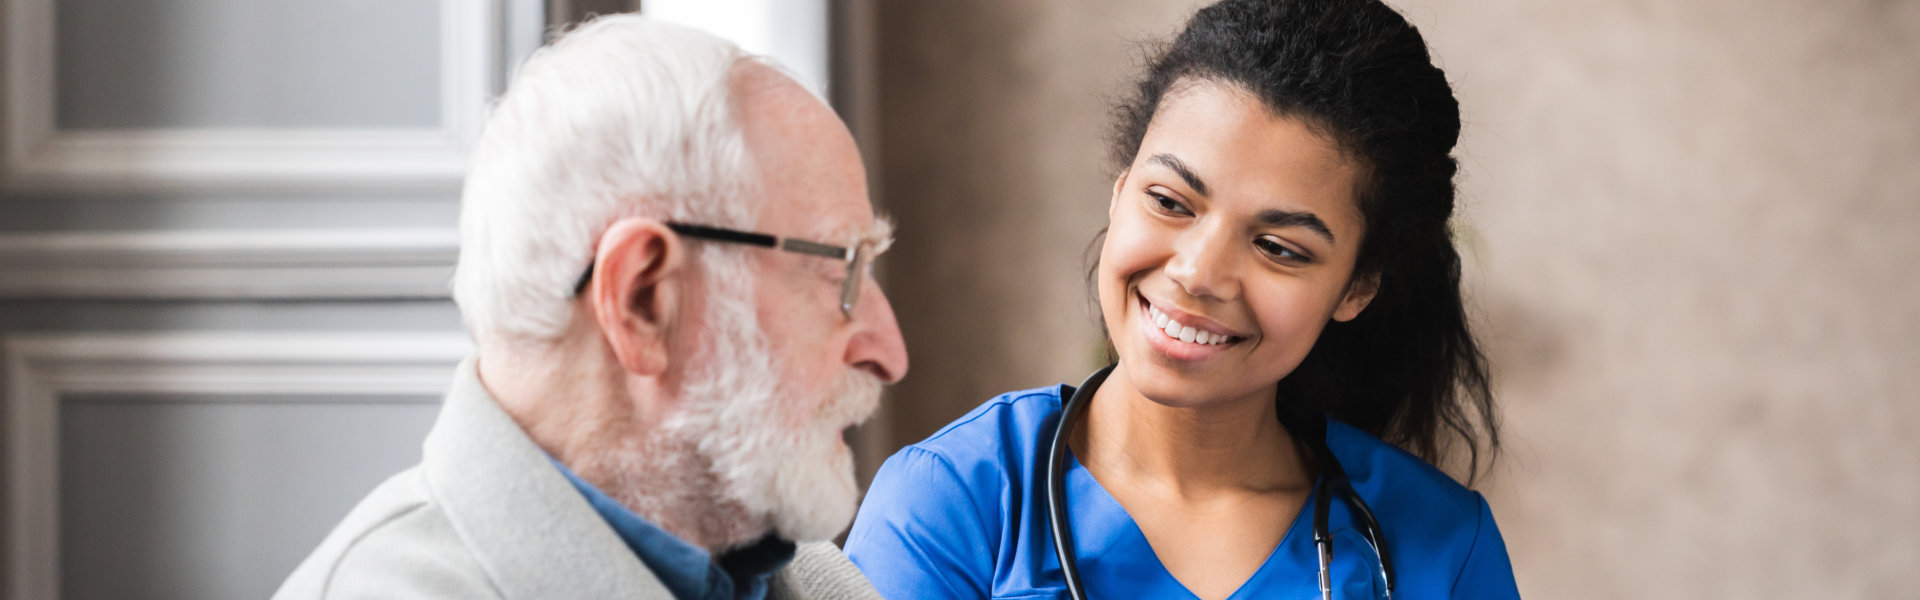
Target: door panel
{"x":226,"y":233}
{"x":182,"y":497}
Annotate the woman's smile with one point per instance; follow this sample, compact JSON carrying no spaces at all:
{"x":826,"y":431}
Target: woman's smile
{"x":1181,"y":335}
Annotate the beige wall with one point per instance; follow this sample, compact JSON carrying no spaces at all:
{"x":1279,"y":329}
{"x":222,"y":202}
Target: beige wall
{"x":1691,"y":236}
{"x":1698,"y":261}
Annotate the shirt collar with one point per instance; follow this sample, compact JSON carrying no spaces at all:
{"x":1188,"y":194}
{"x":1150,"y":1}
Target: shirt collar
{"x":688,"y":571}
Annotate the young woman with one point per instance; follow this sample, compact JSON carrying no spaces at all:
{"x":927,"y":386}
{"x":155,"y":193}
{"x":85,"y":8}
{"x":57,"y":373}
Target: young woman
{"x":1281,"y":290}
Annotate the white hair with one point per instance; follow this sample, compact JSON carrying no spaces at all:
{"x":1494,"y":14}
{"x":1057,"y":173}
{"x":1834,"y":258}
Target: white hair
{"x":622,"y":117}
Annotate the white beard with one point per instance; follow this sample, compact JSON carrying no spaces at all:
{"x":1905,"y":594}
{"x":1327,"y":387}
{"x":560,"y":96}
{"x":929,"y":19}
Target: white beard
{"x":777,"y":457}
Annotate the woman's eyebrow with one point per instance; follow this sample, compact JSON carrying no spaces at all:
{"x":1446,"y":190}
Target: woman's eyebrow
{"x":1173,"y":162}
{"x":1273,"y":217}
{"x":1287,"y":218}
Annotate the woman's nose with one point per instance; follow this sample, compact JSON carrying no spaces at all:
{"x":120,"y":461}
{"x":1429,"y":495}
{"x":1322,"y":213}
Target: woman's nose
{"x":1203,"y":264}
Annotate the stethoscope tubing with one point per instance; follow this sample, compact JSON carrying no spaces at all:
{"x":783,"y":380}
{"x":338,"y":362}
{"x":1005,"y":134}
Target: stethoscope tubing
{"x":1333,"y":480}
{"x":1057,"y":522}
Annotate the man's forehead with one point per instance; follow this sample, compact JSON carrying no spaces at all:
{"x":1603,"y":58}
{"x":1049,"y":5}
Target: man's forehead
{"x":809,"y":167}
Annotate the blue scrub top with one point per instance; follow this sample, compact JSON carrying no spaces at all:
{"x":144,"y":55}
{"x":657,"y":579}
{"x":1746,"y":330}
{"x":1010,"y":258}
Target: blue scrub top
{"x":963,"y":515}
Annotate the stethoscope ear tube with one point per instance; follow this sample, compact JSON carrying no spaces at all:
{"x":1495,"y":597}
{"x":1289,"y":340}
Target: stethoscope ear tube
{"x":1371,"y":527}
{"x":1333,"y":480}
{"x":1322,"y":539}
{"x":1057,"y":482}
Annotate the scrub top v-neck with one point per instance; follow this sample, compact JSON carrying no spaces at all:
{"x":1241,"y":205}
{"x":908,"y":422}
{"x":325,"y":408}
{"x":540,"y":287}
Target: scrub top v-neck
{"x":963,"y":515}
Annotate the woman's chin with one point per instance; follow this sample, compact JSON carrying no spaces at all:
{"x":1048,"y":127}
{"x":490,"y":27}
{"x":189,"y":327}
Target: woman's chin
{"x":1164,"y":387}
{"x":1175,"y":387}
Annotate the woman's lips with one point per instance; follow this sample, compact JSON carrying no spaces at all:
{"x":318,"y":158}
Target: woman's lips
{"x":1184,"y":329}
{"x":1182,"y":340}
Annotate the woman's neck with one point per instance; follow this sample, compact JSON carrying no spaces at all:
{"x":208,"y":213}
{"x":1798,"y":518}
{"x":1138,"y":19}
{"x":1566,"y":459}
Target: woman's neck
{"x":1225,"y":446}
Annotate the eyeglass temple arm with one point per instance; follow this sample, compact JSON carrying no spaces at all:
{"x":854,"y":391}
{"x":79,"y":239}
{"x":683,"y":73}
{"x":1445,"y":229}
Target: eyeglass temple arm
{"x":738,"y":237}
{"x":816,"y":249}
{"x":761,"y":239}
{"x":724,"y":235}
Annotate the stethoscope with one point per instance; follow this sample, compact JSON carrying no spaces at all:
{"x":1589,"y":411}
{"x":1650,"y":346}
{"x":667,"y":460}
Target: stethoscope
{"x":1333,"y":480}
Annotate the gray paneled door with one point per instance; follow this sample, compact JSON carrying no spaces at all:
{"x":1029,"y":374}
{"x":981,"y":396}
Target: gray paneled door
{"x":226,"y":228}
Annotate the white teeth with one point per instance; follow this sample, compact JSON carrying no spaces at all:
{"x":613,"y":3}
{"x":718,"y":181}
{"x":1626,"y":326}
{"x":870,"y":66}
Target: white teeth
{"x":1181,"y":332}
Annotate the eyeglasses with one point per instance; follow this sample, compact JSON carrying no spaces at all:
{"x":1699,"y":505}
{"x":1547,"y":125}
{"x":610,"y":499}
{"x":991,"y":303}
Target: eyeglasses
{"x":858,"y":256}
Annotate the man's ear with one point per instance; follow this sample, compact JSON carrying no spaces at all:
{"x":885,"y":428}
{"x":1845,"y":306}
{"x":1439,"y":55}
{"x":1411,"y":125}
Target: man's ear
{"x":1360,"y":291}
{"x":639,"y":280}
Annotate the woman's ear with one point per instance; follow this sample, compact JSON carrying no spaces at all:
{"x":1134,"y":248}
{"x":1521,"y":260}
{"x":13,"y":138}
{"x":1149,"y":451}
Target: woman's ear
{"x":1360,"y":291}
{"x":1114,"y":201}
{"x":639,"y":282}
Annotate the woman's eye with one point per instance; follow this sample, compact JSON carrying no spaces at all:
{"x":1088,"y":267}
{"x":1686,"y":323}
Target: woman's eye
{"x":1278,"y":251}
{"x":1168,"y":205}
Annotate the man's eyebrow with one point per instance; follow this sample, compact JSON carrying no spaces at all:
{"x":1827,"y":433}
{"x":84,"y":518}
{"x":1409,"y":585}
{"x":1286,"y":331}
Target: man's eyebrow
{"x":1286,"y":218}
{"x":1180,"y":168}
{"x":882,"y":228}
{"x":879,"y":233}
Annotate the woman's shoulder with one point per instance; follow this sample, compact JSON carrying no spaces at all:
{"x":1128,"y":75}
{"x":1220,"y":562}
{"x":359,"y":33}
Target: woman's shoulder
{"x":1420,"y":506}
{"x":1013,"y":413}
{"x":1003,"y":432}
{"x":935,"y":519}
{"x":954,"y":488}
{"x":1395,"y":481}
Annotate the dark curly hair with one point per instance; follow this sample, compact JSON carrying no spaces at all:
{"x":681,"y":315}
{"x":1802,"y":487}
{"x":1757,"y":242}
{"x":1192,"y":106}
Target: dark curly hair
{"x":1407,"y":370}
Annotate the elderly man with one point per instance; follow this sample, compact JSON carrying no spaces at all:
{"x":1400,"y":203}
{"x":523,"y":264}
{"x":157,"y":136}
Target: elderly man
{"x":663,"y":262}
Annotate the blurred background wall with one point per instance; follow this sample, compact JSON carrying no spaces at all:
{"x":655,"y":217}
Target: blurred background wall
{"x":1690,"y":234}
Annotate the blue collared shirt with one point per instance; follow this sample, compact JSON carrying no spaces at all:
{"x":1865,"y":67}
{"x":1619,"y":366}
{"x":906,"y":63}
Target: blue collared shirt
{"x":963,"y":515}
{"x":688,"y":571}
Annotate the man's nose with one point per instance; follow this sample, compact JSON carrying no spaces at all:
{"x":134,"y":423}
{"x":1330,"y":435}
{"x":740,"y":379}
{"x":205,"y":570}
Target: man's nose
{"x":877,"y":346}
